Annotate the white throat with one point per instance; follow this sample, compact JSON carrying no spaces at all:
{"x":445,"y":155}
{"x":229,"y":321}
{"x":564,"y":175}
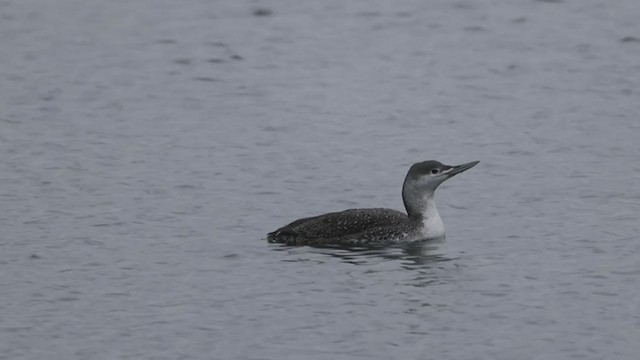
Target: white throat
{"x":432,"y":226}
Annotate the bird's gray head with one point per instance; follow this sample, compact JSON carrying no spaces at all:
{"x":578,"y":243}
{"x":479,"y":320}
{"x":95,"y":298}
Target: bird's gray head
{"x":422,"y":180}
{"x":428,"y":175}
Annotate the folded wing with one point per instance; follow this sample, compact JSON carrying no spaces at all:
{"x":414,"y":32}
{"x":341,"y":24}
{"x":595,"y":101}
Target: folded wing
{"x":336,"y":225}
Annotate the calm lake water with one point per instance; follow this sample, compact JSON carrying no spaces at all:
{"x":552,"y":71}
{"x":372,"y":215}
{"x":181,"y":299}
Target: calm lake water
{"x":148,"y":147}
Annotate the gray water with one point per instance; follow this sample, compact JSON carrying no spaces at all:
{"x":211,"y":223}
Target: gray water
{"x":148,"y":146}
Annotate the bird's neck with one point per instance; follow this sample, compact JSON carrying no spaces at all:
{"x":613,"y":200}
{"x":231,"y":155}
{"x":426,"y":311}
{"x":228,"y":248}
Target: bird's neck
{"x":422,"y":210}
{"x":419,"y":204}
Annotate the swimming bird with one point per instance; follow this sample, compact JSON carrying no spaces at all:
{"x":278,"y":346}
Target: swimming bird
{"x":379,"y":226}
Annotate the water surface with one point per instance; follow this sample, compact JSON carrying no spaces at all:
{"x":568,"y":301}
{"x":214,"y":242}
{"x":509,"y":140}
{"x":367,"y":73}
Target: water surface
{"x":147,"y":148}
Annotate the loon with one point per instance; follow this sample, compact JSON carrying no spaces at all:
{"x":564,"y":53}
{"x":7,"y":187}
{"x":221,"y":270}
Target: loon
{"x":358,"y":227}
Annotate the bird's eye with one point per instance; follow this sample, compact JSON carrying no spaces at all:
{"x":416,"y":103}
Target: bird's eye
{"x":435,"y":171}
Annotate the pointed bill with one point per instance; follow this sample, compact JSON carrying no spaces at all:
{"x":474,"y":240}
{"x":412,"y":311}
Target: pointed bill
{"x":464,"y":167}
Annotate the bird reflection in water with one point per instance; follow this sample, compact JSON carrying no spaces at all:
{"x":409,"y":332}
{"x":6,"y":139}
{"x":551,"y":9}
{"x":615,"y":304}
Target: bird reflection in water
{"x":413,"y":255}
